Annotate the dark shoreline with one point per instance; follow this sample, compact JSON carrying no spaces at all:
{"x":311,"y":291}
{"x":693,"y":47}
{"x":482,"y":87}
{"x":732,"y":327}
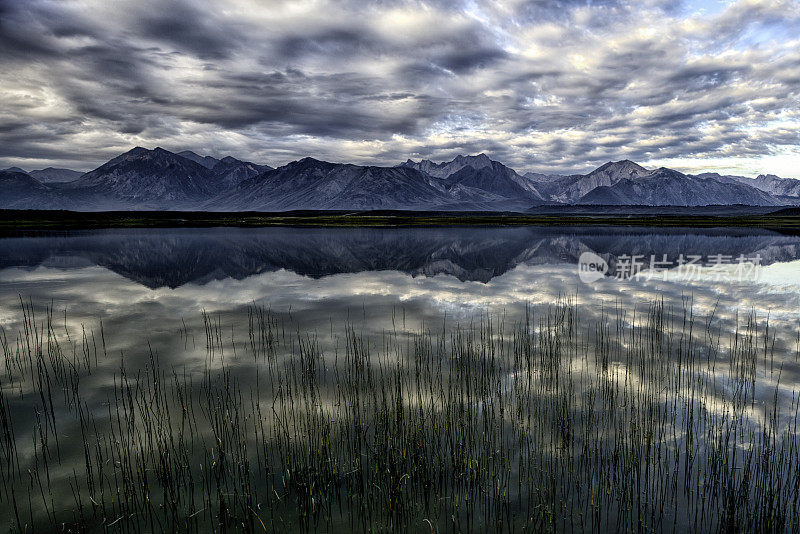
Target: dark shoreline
{"x":781,"y":220}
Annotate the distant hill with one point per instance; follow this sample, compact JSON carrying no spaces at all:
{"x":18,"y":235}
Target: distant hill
{"x":15,"y":169}
{"x":19,"y":190}
{"x":51,"y":174}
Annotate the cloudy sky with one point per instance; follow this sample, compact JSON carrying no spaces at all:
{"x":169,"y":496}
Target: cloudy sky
{"x":543,"y":85}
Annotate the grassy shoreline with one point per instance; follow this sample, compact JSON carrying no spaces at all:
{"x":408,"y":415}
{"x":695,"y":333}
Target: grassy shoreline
{"x":13,"y":220}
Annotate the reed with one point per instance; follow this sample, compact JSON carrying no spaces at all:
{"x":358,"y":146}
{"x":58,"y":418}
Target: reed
{"x":653,"y":420}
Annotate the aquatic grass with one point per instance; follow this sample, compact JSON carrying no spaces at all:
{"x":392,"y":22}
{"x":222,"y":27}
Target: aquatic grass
{"x":630,"y":420}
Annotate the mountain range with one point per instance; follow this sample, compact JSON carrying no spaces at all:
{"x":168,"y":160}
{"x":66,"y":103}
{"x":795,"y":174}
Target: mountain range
{"x":157,"y":179}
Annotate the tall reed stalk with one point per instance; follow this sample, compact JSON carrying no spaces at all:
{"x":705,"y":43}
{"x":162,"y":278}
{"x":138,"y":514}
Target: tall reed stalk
{"x":648,"y":421}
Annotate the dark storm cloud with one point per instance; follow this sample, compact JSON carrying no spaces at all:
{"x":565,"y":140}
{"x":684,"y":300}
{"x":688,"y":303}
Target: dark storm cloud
{"x":542,"y":84}
{"x":466,"y":60}
{"x":335,"y":41}
{"x":184,"y":28}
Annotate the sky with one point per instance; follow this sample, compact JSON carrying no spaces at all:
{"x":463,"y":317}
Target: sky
{"x":550,"y":86}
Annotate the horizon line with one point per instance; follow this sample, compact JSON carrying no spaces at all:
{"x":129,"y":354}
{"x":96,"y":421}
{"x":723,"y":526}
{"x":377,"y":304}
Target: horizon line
{"x":436,"y":161}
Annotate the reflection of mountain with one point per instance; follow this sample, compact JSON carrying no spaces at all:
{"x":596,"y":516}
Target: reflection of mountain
{"x":173,"y":257}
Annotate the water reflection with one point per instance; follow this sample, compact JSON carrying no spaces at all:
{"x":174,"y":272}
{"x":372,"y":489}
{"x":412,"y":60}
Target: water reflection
{"x":332,"y":292}
{"x":174,"y":257}
{"x":151,"y":278}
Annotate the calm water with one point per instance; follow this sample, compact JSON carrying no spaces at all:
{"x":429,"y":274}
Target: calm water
{"x":184,"y":301}
{"x":162,"y":275}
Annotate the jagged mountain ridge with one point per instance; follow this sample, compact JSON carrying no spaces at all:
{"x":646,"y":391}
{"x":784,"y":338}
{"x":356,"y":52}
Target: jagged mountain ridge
{"x":571,"y":189}
{"x":495,"y":179}
{"x":232,"y":171}
{"x":313,"y":184}
{"x":446,"y":168}
{"x":150,"y":178}
{"x":206,"y":161}
{"x":667,"y":187}
{"x":159,"y":179}
{"x":768,"y":183}
{"x":479,"y":178}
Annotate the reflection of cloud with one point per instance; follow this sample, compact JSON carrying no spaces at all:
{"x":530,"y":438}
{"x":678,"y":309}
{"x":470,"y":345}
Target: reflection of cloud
{"x":96,"y":293}
{"x":136,"y":318}
{"x":782,"y":275}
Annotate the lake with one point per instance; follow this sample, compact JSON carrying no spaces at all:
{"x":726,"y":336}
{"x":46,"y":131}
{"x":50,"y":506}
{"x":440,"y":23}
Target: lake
{"x":381,"y":379}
